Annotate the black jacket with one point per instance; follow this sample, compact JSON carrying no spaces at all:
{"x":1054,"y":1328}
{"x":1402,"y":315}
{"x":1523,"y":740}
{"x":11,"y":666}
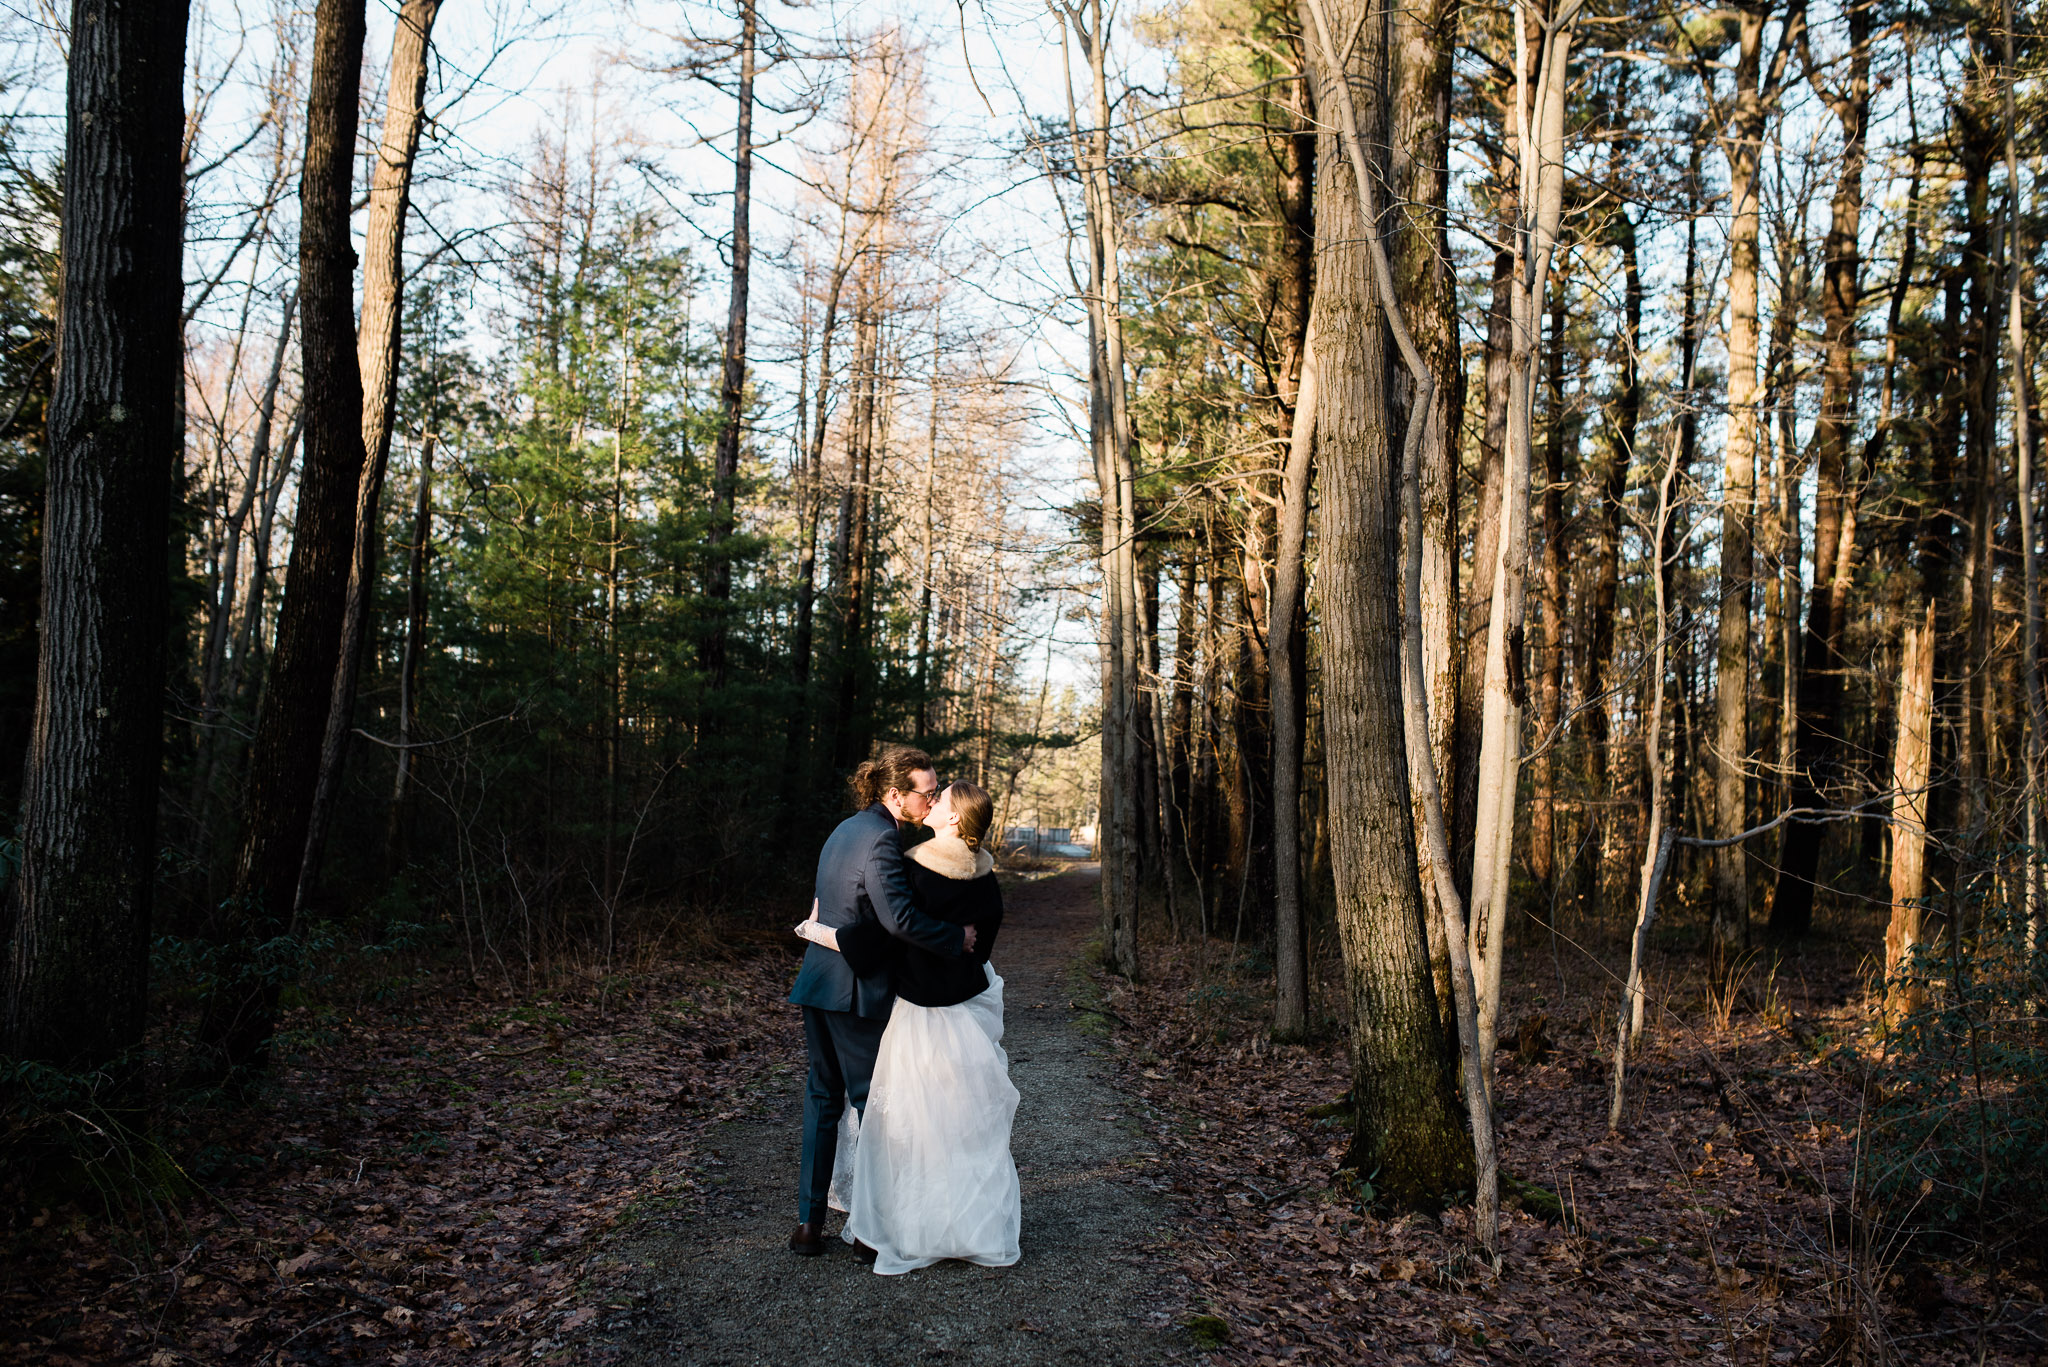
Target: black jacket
{"x":949,"y":883}
{"x":863,"y":880}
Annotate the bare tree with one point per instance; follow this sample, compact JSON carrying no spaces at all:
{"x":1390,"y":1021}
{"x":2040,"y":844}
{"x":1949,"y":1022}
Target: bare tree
{"x":1743,"y":120}
{"x":733,"y":370}
{"x":1539,"y":121}
{"x":241,"y":1013}
{"x":377,"y":357}
{"x":1116,"y":477}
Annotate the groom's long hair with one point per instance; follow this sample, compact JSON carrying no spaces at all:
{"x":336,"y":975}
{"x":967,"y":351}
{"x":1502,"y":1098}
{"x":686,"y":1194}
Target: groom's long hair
{"x":891,"y":767}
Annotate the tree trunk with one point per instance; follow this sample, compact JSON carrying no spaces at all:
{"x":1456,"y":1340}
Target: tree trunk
{"x":215,"y":671}
{"x":2023,"y":471}
{"x":241,"y":1012}
{"x":1551,"y":596}
{"x":733,"y":372}
{"x":1486,"y":513}
{"x":1741,"y":142}
{"x":1422,"y":40}
{"x":930,"y":565}
{"x":1539,"y":210}
{"x":1409,"y":1130}
{"x":415,"y":647}
{"x":1819,"y":719}
{"x":377,"y":356}
{"x":1110,"y":432}
{"x":1290,"y":711}
{"x":1912,"y":764}
{"x":850,"y":731}
{"x":78,"y":916}
{"x":1617,"y":453}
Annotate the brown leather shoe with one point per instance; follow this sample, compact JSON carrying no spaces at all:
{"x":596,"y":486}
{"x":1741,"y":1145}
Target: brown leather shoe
{"x":863,"y":1252}
{"x":809,"y":1240}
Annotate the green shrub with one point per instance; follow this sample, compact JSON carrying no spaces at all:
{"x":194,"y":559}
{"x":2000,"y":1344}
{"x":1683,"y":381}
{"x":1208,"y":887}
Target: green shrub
{"x":1957,"y":1141}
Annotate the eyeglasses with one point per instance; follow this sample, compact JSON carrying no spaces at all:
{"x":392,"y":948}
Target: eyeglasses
{"x":929,"y":797}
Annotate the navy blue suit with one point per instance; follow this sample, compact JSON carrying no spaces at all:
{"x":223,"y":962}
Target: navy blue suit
{"x":860,"y":879}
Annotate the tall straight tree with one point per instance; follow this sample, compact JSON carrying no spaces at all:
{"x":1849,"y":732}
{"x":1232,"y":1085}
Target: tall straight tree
{"x":1743,"y":118}
{"x":78,"y":934}
{"x":1116,"y":478}
{"x":1408,"y":1130}
{"x":241,"y":1013}
{"x":1538,"y":120}
{"x":1422,"y":39}
{"x":377,"y":357}
{"x":1819,"y":721}
{"x":733,"y":370}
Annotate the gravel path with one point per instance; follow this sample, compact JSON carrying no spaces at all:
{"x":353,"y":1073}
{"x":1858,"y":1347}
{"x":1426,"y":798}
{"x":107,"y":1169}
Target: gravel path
{"x":720,"y":1288}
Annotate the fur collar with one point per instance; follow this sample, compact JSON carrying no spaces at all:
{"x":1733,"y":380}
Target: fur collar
{"x":952,"y":857}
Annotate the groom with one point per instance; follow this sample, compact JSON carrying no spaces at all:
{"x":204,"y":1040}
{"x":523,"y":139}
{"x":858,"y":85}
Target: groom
{"x":860,"y":878}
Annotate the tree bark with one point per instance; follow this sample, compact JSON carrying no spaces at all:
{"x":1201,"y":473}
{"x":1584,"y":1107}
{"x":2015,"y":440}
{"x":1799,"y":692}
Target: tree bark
{"x":241,"y":1013}
{"x":1617,"y":453}
{"x":377,"y":357}
{"x":2023,"y":474}
{"x":1422,"y":40}
{"x":1110,"y":433}
{"x":77,"y":933}
{"x":1819,"y":719}
{"x":1539,"y":211}
{"x":418,"y":552}
{"x":1912,"y":765}
{"x":1551,"y":596}
{"x":1742,"y":144}
{"x":733,"y":371}
{"x":1290,"y":711}
{"x":1409,"y":1131}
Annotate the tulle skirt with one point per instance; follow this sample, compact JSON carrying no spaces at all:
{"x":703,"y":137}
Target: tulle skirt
{"x":927,"y":1173}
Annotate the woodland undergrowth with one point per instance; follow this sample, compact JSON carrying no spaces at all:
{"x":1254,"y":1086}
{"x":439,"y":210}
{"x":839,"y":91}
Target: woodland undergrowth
{"x":1728,"y":1221}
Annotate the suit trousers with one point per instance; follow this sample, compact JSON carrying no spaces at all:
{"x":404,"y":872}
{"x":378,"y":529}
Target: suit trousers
{"x":842,"y":1047}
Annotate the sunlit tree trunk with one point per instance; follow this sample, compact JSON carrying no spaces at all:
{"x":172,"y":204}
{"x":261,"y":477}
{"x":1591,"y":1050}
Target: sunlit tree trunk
{"x":1539,"y":114}
{"x":1742,"y":143}
{"x":77,"y":918}
{"x":1110,"y":435}
{"x":1912,"y":766}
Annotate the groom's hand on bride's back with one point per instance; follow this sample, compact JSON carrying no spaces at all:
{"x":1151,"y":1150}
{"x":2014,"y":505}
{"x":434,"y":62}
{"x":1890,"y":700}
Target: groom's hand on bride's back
{"x":967,"y":940}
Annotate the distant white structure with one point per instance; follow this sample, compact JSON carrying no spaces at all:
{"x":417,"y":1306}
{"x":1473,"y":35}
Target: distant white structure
{"x":1060,"y":842}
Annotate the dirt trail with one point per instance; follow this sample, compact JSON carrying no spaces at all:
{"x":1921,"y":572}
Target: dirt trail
{"x":718,"y":1287}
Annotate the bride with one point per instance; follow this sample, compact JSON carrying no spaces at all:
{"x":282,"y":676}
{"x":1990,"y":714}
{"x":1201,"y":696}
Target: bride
{"x":931,"y":1173}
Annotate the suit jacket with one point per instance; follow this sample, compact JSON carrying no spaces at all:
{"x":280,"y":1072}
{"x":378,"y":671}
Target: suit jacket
{"x":952,"y":883}
{"x":861,"y":880}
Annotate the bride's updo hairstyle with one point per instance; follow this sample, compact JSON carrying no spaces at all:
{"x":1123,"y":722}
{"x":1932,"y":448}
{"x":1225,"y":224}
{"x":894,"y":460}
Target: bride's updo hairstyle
{"x":975,"y":811}
{"x":892,"y":767}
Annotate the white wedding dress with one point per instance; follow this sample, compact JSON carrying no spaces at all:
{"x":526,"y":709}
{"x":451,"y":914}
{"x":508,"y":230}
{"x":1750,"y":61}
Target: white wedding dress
{"x":927,"y":1174}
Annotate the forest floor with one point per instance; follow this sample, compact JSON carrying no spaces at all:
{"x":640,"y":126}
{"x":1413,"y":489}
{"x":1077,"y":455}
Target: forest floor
{"x":716,"y":1287}
{"x":598,"y":1168}
{"x":1708,"y":1229}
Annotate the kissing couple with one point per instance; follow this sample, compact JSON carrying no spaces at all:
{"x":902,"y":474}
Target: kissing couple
{"x":908,"y":1108}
